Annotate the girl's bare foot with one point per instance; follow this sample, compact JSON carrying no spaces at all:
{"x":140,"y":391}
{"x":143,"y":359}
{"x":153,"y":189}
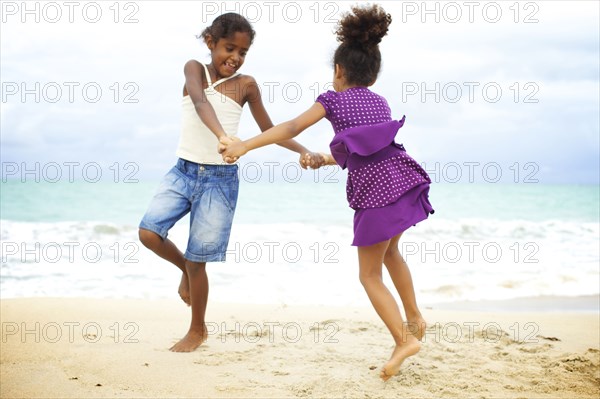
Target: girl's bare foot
{"x":192,"y":340}
{"x":184,"y":289}
{"x":401,"y":352}
{"x":416,"y":326}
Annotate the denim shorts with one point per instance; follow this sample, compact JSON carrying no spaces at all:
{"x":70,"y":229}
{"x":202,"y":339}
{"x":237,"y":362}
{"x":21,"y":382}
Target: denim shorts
{"x":209,"y":193}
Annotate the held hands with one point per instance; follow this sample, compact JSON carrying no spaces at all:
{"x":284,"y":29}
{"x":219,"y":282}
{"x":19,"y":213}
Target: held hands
{"x":231,"y":148}
{"x":314,"y":160}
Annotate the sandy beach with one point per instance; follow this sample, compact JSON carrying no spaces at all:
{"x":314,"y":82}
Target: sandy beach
{"x":96,"y":348}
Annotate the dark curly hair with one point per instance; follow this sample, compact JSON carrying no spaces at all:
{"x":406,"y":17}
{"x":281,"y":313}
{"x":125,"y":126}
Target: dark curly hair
{"x":226,"y":25}
{"x":360,"y":33}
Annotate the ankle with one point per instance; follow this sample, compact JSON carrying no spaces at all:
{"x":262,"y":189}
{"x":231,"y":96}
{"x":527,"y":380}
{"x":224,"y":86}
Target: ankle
{"x":413,"y":314}
{"x":198,"y":327}
{"x":406,"y":339}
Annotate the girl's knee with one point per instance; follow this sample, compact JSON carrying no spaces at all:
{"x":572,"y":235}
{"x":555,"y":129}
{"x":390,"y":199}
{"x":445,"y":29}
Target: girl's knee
{"x":363,"y":280}
{"x":148,"y":238}
{"x":368,"y":277}
{"x":194,"y":265}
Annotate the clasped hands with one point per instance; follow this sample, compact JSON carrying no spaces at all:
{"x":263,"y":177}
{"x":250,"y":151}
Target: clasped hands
{"x":232,"y":148}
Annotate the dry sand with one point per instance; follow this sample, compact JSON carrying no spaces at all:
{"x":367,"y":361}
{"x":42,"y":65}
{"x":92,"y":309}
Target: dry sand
{"x":75,"y":348}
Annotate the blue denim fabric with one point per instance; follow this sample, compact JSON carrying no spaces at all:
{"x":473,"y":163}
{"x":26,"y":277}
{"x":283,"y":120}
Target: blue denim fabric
{"x":210,"y":193}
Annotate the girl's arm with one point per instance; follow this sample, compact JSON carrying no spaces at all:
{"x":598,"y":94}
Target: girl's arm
{"x":194,"y":86}
{"x":279,"y":133}
{"x":262,"y":118}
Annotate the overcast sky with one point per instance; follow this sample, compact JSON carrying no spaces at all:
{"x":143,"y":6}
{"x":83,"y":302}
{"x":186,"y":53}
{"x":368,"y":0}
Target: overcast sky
{"x":510,"y":85}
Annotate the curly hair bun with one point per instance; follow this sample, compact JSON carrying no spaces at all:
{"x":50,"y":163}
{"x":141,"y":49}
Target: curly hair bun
{"x":364,"y":27}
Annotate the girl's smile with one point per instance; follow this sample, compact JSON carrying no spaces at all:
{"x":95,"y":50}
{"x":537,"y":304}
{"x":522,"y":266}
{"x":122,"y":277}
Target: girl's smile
{"x":229,"y":53}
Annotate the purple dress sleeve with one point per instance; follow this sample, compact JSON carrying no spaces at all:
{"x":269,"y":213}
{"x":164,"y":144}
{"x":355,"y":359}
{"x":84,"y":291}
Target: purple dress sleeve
{"x":327,"y":100}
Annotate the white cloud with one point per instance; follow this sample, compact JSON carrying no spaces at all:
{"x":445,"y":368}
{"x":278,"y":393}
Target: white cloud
{"x":559,"y":54}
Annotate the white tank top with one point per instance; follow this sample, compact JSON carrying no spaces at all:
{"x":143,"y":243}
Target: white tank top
{"x":197,"y":143}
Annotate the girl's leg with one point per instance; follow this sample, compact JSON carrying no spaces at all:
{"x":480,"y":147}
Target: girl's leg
{"x":370,"y":260}
{"x":400,"y":274}
{"x":197,"y":333}
{"x":168,"y":251}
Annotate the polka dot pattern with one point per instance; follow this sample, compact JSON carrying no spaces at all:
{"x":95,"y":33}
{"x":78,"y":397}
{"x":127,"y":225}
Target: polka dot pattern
{"x":381,"y":180}
{"x":379,"y":184}
{"x":353,"y":107}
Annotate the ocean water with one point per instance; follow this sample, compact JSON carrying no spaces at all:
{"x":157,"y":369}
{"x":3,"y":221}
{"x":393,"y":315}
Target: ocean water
{"x":290,"y":243}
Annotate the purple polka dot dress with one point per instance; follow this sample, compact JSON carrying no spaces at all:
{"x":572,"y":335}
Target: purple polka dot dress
{"x":386,"y":187}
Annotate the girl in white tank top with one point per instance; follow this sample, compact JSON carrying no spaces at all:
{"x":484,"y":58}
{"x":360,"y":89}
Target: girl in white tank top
{"x":201,"y":183}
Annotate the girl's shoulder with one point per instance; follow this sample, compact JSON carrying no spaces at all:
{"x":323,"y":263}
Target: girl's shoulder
{"x":328,"y":97}
{"x":248,"y":86}
{"x":246,"y":79}
{"x":192,"y":64}
{"x":193,"y":68}
{"x":193,"y":61}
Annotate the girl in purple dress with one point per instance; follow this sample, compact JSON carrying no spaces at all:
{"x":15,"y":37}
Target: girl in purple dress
{"x":386,"y":187}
